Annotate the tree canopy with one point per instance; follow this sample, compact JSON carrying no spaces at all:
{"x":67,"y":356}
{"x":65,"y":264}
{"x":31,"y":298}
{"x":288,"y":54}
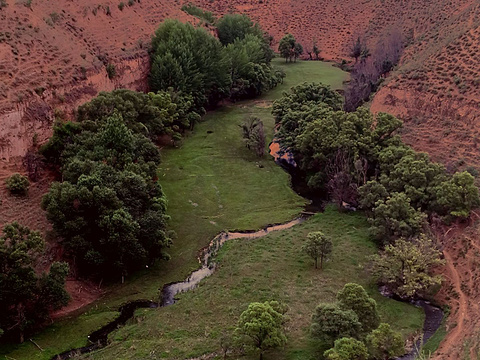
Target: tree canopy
{"x":232,"y":27}
{"x":110,"y":198}
{"x":261,"y":326}
{"x":193,"y":62}
{"x":189,"y":60}
{"x":165,"y":112}
{"x":384,"y":343}
{"x":347,"y":349}
{"x":354,"y":297}
{"x":26,"y":296}
{"x":405,"y":266}
{"x":317,"y":246}
{"x":289,"y":48}
{"x":330,"y":322}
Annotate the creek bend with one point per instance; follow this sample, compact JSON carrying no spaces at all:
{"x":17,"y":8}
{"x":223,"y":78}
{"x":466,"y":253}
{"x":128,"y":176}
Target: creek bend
{"x":99,"y":338}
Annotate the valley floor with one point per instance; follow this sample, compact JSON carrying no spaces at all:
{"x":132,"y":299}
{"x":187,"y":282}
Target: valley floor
{"x":213,"y":183}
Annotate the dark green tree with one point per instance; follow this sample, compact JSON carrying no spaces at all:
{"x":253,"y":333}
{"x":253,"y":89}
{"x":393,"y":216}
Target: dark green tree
{"x":153,"y":114}
{"x":297,"y":50}
{"x":189,"y":60}
{"x":370,"y":193}
{"x":415,"y":175}
{"x":286,"y":47}
{"x":26,"y":297}
{"x":303,"y":104}
{"x":395,"y":217}
{"x":330,"y":323}
{"x":261,"y":326}
{"x":384,"y":343}
{"x":250,"y":71}
{"x":109,"y":199}
{"x":457,"y":196}
{"x":317,"y":246}
{"x":354,"y":297}
{"x":231,"y":27}
{"x":347,"y":349}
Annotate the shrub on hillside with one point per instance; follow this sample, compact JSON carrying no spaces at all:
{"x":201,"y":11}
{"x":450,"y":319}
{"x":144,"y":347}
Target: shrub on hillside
{"x":17,"y":184}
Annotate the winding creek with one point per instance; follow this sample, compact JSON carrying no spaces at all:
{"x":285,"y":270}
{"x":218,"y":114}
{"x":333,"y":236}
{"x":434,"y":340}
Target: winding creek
{"x":99,"y":338}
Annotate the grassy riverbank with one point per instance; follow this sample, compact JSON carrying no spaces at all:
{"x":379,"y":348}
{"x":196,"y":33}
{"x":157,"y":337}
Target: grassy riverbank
{"x":212,"y":183}
{"x":272,"y":267}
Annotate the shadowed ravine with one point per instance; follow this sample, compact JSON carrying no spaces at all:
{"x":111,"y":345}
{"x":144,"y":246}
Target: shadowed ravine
{"x":99,"y":338}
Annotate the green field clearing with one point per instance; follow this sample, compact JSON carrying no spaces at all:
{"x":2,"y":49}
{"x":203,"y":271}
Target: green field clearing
{"x":269,"y":268}
{"x":214,"y":183}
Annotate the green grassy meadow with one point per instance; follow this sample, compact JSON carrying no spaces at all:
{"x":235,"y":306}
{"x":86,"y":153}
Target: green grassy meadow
{"x":214,"y":183}
{"x":272,"y":267}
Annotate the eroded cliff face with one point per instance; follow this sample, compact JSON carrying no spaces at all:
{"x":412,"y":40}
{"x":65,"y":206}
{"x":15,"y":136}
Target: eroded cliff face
{"x":30,"y":123}
{"x":53,"y":56}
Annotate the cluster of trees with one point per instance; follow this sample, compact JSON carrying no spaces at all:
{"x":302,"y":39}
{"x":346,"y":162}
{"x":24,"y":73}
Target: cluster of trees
{"x":290,"y":49}
{"x":192,"y":61}
{"x":109,"y":209}
{"x":166,"y":112}
{"x":314,"y":50}
{"x":352,"y":330}
{"x":368,"y":73}
{"x":27,"y":296}
{"x":356,"y":158}
{"x":348,"y":329}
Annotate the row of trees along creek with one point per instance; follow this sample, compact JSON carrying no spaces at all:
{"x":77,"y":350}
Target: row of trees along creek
{"x":358,"y":160}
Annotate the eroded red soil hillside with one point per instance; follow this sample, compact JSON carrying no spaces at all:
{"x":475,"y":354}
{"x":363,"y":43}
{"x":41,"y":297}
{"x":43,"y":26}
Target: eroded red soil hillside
{"x":436,"y":90}
{"x":461,"y":247}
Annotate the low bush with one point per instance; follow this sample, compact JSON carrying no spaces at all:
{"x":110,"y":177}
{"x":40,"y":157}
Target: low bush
{"x":17,"y":184}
